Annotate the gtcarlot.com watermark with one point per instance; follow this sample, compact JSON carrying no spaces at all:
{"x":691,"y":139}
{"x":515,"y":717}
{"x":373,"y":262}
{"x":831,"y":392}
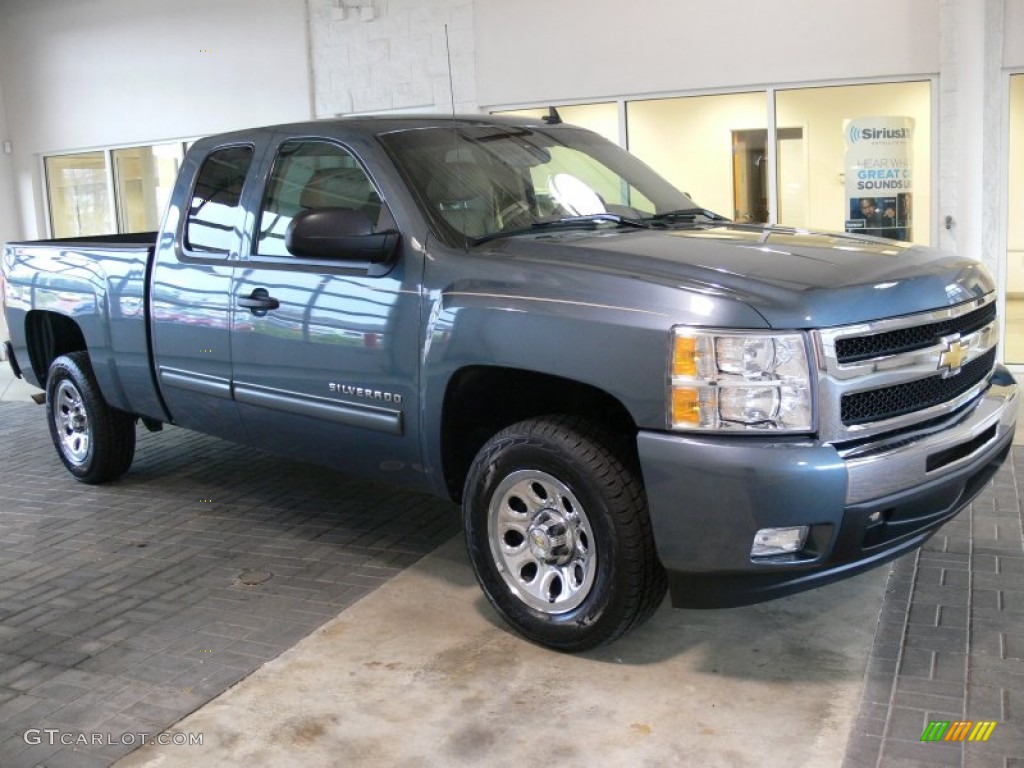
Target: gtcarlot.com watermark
{"x":55,"y":737}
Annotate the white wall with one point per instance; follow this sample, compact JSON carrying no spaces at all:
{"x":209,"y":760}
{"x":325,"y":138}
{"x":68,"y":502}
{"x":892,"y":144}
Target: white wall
{"x":93,"y":73}
{"x":971,"y":150}
{"x":1015,"y":229}
{"x":392,"y":55}
{"x":9,"y":229}
{"x":538,"y":50}
{"x":1013,"y":34}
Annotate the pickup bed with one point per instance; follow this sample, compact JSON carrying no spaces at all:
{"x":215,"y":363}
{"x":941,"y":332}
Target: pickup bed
{"x":626,"y":392}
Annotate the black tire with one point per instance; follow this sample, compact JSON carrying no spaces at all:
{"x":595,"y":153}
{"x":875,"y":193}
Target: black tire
{"x":95,"y":442}
{"x":559,"y":534}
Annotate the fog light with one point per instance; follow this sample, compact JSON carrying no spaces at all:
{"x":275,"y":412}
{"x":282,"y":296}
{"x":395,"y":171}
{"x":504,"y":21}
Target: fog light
{"x":779,"y":541}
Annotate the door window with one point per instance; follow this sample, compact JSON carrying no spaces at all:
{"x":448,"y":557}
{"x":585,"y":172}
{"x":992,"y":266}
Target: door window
{"x":309,"y":175}
{"x":213,"y":211}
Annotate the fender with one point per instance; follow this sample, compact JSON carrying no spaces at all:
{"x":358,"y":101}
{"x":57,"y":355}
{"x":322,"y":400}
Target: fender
{"x":497,"y":312}
{"x":102,"y":293}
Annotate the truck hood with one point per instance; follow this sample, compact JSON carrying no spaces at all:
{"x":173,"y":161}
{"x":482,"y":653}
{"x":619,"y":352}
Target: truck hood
{"x":793,"y":279}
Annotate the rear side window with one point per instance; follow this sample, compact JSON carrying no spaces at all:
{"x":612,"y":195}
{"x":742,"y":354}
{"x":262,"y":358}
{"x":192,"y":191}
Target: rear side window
{"x":213,"y":209}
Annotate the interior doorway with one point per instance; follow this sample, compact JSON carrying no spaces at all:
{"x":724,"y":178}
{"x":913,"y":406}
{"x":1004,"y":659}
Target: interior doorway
{"x":750,"y":174}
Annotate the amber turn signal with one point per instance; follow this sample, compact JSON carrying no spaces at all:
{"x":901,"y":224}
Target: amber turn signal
{"x":685,"y":406}
{"x":684,"y":357}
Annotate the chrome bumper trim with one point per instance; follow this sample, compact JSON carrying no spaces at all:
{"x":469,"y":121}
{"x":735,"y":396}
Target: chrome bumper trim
{"x":874,"y":471}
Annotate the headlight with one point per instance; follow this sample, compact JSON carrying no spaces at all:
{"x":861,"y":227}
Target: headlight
{"x":732,"y":380}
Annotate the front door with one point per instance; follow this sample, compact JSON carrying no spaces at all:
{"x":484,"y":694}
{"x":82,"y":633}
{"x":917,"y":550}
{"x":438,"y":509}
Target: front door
{"x":325,"y":355}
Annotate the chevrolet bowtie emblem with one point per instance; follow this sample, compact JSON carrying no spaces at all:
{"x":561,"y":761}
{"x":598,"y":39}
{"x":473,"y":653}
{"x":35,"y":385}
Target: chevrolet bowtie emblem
{"x":952,"y":357}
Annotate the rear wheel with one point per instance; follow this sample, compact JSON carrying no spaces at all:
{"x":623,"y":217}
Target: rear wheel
{"x":559,"y":535}
{"x":95,"y":442}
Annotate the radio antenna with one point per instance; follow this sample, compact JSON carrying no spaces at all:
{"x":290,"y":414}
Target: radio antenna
{"x":455,"y":135}
{"x":451,"y":80}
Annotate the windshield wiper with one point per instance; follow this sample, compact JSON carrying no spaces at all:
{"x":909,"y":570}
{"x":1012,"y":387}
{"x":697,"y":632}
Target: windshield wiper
{"x":588,"y":221}
{"x":688,"y":214}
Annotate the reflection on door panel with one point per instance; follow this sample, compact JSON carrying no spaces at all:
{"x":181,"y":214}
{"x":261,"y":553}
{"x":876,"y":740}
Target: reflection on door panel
{"x":348,"y":390}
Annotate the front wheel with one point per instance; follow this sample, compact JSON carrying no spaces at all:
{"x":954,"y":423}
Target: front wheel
{"x":95,"y":442}
{"x":559,"y":535}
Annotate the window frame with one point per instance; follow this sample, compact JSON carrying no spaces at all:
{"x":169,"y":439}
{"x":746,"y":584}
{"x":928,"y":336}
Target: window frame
{"x":253,"y":259}
{"x":186,"y":250}
{"x":47,"y":189}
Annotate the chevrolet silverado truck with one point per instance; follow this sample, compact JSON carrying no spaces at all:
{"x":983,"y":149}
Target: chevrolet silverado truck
{"x":627,"y":393}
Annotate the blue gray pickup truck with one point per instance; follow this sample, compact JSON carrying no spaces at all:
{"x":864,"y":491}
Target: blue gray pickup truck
{"x":627,"y":393}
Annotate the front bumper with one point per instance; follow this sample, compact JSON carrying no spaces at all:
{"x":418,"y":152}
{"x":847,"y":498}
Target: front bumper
{"x":865,"y":504}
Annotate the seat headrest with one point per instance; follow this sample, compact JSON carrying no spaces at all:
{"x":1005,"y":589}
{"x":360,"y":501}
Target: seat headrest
{"x":459,"y":183}
{"x":336,"y":188}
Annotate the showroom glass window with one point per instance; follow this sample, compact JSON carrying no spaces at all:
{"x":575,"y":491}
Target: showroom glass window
{"x":113,"y":190}
{"x":714,"y":148}
{"x":78,"y":194}
{"x":144,"y":178}
{"x":1014,"y":349}
{"x":856,"y":158}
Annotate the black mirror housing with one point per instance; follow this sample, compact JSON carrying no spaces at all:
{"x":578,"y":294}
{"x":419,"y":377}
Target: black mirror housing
{"x":339,"y":234}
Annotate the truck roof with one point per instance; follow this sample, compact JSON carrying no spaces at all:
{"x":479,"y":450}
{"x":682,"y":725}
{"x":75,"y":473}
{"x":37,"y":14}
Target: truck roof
{"x":378,"y":124}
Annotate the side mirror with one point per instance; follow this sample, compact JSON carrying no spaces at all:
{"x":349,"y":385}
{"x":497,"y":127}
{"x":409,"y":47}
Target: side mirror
{"x":340,"y":234}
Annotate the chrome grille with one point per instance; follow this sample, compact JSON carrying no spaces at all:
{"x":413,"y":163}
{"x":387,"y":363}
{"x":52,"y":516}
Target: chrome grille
{"x":889,"y":402}
{"x":896,"y":373}
{"x":852,"y":349}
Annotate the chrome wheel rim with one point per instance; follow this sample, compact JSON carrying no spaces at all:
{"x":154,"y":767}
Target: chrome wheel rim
{"x":541,"y":541}
{"x":72,"y":422}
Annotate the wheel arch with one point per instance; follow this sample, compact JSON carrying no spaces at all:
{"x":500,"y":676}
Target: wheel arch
{"x":481,"y":400}
{"x":49,"y":335}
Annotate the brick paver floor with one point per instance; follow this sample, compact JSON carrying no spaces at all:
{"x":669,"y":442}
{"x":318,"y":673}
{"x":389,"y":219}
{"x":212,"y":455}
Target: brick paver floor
{"x":950,"y":642}
{"x":126,"y":606}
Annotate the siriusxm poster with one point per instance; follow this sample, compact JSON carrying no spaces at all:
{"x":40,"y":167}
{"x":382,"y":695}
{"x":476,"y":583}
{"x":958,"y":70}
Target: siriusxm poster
{"x":880,"y":176}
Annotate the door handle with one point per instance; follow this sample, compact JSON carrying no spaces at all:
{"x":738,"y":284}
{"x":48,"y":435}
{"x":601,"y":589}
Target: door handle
{"x":258,"y":301}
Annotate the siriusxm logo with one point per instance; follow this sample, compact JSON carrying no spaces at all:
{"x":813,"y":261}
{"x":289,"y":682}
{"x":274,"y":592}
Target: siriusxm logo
{"x":874,"y":134}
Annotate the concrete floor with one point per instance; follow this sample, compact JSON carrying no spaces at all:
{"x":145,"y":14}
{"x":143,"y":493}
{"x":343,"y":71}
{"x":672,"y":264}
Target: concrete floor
{"x":421,"y":673}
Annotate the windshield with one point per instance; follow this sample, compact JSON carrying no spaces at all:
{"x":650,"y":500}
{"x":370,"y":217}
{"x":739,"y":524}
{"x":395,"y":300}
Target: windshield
{"x":479,"y":181}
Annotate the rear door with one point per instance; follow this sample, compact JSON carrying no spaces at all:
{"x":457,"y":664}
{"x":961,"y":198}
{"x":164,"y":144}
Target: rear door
{"x":325,"y":353}
{"x":191,"y":288}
